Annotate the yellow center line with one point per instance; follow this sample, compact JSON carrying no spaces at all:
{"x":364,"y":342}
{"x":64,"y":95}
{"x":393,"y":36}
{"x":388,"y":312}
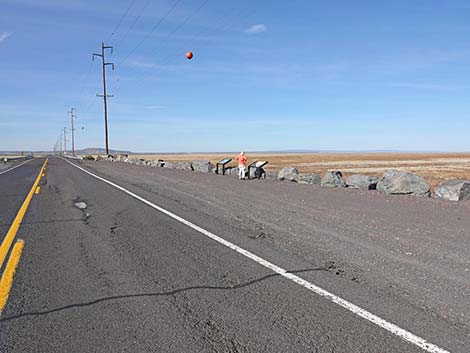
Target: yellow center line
{"x":10,"y":237}
{"x":7,"y":277}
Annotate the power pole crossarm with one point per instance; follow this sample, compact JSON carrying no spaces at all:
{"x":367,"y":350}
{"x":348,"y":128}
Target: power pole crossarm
{"x":104,"y":95}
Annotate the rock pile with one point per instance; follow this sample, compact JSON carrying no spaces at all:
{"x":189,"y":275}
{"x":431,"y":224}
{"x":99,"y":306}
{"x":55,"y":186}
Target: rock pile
{"x":393,"y":182}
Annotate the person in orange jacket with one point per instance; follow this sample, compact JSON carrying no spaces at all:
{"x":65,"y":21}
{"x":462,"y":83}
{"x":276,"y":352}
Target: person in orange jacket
{"x":241,"y":160}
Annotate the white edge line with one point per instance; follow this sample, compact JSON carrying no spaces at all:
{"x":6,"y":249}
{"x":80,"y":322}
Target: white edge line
{"x":16,"y":166}
{"x":388,"y":326}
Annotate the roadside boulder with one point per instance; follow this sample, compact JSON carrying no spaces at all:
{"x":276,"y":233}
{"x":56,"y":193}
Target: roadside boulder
{"x":88,"y":158}
{"x":362,"y":182}
{"x":121,"y":157}
{"x":394,"y":182}
{"x":156,"y":163}
{"x":310,"y":178}
{"x":183,"y":166}
{"x":136,"y":161}
{"x":453,"y":190}
{"x":203,"y":166}
{"x":288,"y":173}
{"x":99,"y":158}
{"x":169,"y":165}
{"x":333,"y":179}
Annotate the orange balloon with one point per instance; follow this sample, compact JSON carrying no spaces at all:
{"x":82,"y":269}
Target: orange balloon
{"x":189,"y":55}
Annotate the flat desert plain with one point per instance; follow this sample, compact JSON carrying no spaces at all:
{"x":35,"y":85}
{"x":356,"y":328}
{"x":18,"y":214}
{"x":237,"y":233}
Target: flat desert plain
{"x":434,"y":167}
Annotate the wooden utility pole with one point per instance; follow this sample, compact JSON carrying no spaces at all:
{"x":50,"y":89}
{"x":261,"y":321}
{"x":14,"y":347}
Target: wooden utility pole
{"x":72,"y":116}
{"x":104,"y":95}
{"x":65,"y":140}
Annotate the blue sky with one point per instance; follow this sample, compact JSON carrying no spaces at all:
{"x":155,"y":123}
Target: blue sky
{"x":266,"y":75}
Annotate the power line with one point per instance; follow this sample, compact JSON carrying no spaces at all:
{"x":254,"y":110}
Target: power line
{"x":173,"y":7}
{"x":189,"y":17}
{"x":176,"y":29}
{"x":120,"y":21}
{"x":84,"y":77}
{"x":136,"y":19}
{"x":226,"y":22}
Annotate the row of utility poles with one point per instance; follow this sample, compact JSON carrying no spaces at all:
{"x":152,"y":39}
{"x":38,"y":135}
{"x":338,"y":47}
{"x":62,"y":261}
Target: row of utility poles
{"x":61,"y":148}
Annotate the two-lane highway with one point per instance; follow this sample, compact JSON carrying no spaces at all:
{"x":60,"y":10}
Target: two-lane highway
{"x":131,"y":273}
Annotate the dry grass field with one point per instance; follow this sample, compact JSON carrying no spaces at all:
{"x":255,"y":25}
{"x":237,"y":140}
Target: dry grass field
{"x":434,"y":167}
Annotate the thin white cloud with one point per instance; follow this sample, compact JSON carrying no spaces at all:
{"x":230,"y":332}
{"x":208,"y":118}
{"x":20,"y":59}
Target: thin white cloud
{"x":258,"y":28}
{"x":4,"y":35}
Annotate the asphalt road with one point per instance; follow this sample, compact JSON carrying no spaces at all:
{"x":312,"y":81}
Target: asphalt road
{"x":121,"y":276}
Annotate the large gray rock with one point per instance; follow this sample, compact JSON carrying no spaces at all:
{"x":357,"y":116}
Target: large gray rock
{"x":288,"y":173}
{"x":88,"y":158}
{"x":202,"y":166}
{"x":311,"y":178}
{"x":169,"y":165}
{"x":121,"y":157}
{"x":394,"y":182}
{"x":333,"y":179}
{"x":156,"y":163}
{"x":136,"y":161}
{"x":362,"y":182}
{"x":453,"y":190}
{"x":183,"y":165}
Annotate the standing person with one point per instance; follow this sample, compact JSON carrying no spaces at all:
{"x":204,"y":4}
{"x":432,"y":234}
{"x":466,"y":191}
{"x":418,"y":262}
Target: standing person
{"x":241,"y":160}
